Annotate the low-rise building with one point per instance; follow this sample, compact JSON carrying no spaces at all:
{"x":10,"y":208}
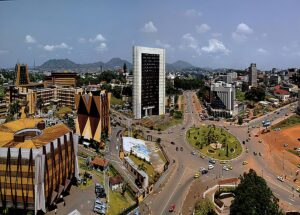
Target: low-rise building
{"x":116,"y":183}
{"x":99,"y":163}
{"x":281,"y":94}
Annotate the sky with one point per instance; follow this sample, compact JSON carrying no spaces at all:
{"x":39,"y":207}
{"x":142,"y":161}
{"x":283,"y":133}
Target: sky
{"x":214,"y":33}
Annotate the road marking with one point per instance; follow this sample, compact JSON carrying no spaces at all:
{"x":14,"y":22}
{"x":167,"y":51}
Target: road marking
{"x":292,"y":200}
{"x":276,"y":194}
{"x":173,"y":192}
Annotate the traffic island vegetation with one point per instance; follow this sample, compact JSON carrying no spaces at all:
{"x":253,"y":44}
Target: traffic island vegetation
{"x":214,"y":142}
{"x":289,"y":122}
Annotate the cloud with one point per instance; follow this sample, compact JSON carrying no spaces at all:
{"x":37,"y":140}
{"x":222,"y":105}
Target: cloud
{"x":262,"y":51}
{"x":149,"y":27}
{"x":215,"y":46}
{"x":98,"y":38}
{"x":102,"y":47}
{"x":163,"y":45}
{"x":241,"y":33}
{"x":202,"y":28}
{"x":216,"y":34}
{"x":59,"y":46}
{"x":3,"y":51}
{"x":82,"y":40}
{"x":190,"y":42}
{"x":30,"y":39}
{"x":264,"y":34}
{"x":192,"y":13}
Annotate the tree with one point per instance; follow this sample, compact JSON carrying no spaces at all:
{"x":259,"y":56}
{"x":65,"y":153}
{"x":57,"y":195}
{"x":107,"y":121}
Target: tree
{"x":256,"y":94}
{"x":240,"y":120}
{"x":26,"y":110}
{"x":227,"y":150}
{"x":253,"y":196}
{"x":124,"y":68}
{"x":204,"y":207}
{"x":14,"y":108}
{"x":71,"y":123}
{"x":39,"y":104}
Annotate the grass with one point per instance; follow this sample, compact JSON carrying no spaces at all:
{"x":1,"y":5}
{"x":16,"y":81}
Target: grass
{"x":240,"y":96}
{"x":168,"y":124}
{"x":148,"y":168}
{"x":115,"y":101}
{"x":289,"y":122}
{"x":161,"y":155}
{"x":197,"y":137}
{"x":119,"y":203}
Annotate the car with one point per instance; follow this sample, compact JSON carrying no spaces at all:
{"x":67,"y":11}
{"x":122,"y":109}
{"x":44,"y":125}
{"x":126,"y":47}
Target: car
{"x":260,"y":154}
{"x":181,"y":149}
{"x":286,"y":114}
{"x":210,"y":166}
{"x":256,"y":135}
{"x":193,"y":153}
{"x":172,"y":143}
{"x":286,"y":145}
{"x":205,"y":171}
{"x":182,"y":128}
{"x":298,"y":139}
{"x":225,"y":168}
{"x":255,"y":153}
{"x":244,"y":142}
{"x":260,"y":141}
{"x":280,"y":178}
{"x":172,"y":208}
{"x":223,"y":162}
{"x":229,"y":167}
{"x":245,"y":162}
{"x":212,"y":161}
{"x":298,"y":189}
{"x":201,"y":169}
{"x":197,"y":175}
{"x":202,"y":156}
{"x":88,"y":175}
{"x":247,"y":150}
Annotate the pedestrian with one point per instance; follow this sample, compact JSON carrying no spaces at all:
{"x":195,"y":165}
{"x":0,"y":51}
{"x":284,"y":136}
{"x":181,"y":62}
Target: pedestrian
{"x":55,"y":210}
{"x":64,"y":203}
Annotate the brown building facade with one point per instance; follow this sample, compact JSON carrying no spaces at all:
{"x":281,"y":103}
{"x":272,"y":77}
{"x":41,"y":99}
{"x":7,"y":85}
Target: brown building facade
{"x":37,"y":164}
{"x":92,"y":115}
{"x":63,"y":79}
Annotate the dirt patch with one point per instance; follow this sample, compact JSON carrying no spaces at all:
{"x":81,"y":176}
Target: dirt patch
{"x":278,"y":156}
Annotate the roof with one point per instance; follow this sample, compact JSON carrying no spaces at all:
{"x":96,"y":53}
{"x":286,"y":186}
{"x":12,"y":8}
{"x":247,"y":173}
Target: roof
{"x":8,"y":130}
{"x":278,"y":90}
{"x":99,"y":162}
{"x":115,"y":180}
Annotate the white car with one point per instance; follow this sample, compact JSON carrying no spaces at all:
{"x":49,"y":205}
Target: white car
{"x":210,"y":166}
{"x":225,"y":168}
{"x":280,"y":178}
{"x":201,"y":169}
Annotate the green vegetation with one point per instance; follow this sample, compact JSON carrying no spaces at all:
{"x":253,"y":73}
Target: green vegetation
{"x":255,"y":94}
{"x":1,"y":91}
{"x":145,"y":166}
{"x":203,"y":136}
{"x":188,"y":83}
{"x":168,"y":124}
{"x":118,"y":202}
{"x":205,"y":207}
{"x":254,"y":196}
{"x":240,"y":96}
{"x":64,"y":110}
{"x":289,"y":122}
{"x":115,"y":101}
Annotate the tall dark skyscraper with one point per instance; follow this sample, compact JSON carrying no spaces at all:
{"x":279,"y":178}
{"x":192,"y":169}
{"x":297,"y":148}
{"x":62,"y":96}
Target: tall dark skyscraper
{"x":22,"y":76}
{"x":149,"y":81}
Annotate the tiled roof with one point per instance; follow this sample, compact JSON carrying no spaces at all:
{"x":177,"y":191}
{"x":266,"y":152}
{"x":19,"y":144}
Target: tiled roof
{"x":278,"y":90}
{"x":99,"y":162}
{"x":49,"y":134}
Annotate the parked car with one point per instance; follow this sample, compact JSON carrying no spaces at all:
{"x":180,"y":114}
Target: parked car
{"x":172,"y":208}
{"x":280,"y":178}
{"x":255,"y":153}
{"x":205,"y":171}
{"x":172,"y":143}
{"x":225,"y":168}
{"x":245,"y":162}
{"x":181,"y":149}
{"x":193,"y":153}
{"x":197,"y":175}
{"x":286,"y":145}
{"x":210,"y":166}
{"x":212,"y":161}
{"x":88,"y":175}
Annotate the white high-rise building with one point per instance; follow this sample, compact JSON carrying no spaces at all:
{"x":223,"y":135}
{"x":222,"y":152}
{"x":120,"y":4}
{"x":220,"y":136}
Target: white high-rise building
{"x":148,"y":81}
{"x":222,"y":99}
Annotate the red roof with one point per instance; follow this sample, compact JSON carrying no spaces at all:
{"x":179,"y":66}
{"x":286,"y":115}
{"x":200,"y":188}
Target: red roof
{"x":278,"y":90}
{"x":115,"y":180}
{"x":99,"y":162}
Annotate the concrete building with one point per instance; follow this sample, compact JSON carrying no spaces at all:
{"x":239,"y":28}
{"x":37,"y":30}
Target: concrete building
{"x":93,"y":115}
{"x":222,"y":99}
{"x":148,"y":81}
{"x":274,"y":80}
{"x":37,"y":164}
{"x":62,"y":79}
{"x":55,"y":95}
{"x":3,"y":109}
{"x":252,"y":75}
{"x":22,"y":76}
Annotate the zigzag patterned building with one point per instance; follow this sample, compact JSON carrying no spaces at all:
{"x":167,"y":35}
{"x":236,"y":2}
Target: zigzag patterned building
{"x":92,"y":115}
{"x":37,"y":164}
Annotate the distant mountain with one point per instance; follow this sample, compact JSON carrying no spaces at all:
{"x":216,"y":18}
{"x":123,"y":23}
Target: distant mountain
{"x":60,"y":64}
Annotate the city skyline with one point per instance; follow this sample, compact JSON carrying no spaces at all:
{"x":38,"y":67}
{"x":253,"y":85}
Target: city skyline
{"x":205,"y":34}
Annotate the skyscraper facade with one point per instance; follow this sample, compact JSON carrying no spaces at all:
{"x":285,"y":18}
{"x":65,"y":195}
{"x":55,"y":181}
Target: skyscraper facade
{"x":148,"y":81}
{"x":252,"y":75}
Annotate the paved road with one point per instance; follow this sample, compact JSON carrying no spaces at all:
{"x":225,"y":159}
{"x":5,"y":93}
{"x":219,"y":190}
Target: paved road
{"x":176,"y":189}
{"x":186,"y":165}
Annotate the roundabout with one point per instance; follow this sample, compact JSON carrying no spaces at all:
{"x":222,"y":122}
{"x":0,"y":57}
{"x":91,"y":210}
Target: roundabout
{"x":214,"y":142}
